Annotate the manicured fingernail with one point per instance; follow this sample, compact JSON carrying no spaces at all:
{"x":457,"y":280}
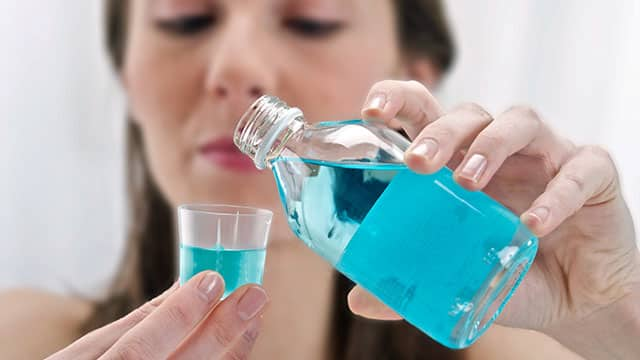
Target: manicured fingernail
{"x":210,"y":286}
{"x":540,"y":213}
{"x":376,"y":102}
{"x":253,"y":300}
{"x":426,"y":147}
{"x":474,"y":168}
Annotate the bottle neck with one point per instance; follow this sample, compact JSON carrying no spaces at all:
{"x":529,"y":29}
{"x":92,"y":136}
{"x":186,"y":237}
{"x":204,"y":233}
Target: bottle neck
{"x":265,"y":128}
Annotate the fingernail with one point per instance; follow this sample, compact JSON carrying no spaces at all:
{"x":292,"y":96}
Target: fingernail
{"x":210,"y":286}
{"x":474,"y":168}
{"x":376,"y":102}
{"x":426,"y":148}
{"x":251,"y":303}
{"x":540,"y":213}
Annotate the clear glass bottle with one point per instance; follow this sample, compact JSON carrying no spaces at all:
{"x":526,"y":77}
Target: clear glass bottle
{"x":445,"y":258}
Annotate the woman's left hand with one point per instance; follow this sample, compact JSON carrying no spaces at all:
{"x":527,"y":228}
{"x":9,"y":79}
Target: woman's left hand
{"x":186,"y":322}
{"x":586,"y":275}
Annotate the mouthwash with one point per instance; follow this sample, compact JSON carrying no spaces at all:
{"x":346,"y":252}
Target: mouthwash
{"x":237,"y":267}
{"x":384,"y":229}
{"x":446,"y":259}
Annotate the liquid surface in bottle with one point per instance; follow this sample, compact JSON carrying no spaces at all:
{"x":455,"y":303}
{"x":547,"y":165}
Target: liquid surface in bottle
{"x":237,"y":267}
{"x":420,"y":243}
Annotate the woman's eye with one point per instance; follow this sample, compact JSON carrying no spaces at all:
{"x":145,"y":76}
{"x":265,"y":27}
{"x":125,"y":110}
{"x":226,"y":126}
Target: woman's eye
{"x":186,"y":25}
{"x":312,"y":28}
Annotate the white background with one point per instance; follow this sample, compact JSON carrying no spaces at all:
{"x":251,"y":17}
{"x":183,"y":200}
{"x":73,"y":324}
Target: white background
{"x":61,"y":115}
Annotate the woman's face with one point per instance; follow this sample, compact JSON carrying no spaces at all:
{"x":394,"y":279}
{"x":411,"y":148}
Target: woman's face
{"x":192,"y":68}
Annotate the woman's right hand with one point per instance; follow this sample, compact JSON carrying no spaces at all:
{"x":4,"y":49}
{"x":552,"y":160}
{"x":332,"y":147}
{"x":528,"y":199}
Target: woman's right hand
{"x":187,"y":322}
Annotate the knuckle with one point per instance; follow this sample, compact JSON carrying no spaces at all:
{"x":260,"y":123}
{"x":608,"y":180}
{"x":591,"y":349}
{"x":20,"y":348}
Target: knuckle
{"x":598,"y":152}
{"x":387,"y":83}
{"x":180,"y":316}
{"x":136,"y":316}
{"x":249,"y":338}
{"x":140,"y":314}
{"x":416,"y":85}
{"x":383,"y":86}
{"x":567,"y":144}
{"x":134,"y":348}
{"x":439,"y":131}
{"x":221,"y":335}
{"x":470,"y":106}
{"x":147,"y":308}
{"x":476,"y":110}
{"x":491,"y":141}
{"x":575,"y":181}
{"x":602,"y":160}
{"x":411,"y":88}
{"x":237,"y":354}
{"x":525,"y":111}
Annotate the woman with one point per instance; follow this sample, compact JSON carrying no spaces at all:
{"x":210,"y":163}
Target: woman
{"x":190,"y":68}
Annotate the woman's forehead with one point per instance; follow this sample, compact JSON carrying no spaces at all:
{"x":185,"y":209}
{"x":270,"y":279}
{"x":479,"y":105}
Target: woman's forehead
{"x":317,"y":5}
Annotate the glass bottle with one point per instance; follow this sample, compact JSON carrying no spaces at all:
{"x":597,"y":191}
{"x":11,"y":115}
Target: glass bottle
{"x":444,"y":258}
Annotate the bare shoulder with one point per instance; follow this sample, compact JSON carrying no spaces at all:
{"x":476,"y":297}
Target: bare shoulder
{"x":502,"y":343}
{"x":34,"y":323}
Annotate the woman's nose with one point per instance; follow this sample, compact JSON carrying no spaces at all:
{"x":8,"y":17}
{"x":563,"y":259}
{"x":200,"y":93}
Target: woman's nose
{"x":238,"y":70}
{"x":222,"y":90}
{"x":237,"y":83}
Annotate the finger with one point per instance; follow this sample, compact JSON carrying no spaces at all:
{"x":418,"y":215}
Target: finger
{"x":518,"y":130}
{"x":588,"y":177}
{"x":408,"y":103}
{"x":160,"y":333}
{"x":243,"y":346}
{"x":439,"y":141}
{"x":230,"y":330}
{"x":362,"y":303}
{"x":95,"y":343}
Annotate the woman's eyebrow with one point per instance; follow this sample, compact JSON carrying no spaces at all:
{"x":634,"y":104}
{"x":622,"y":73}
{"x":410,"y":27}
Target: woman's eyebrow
{"x":321,"y":7}
{"x":166,"y":8}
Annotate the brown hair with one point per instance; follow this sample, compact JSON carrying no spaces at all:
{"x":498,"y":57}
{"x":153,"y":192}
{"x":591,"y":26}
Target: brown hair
{"x":149,"y":264}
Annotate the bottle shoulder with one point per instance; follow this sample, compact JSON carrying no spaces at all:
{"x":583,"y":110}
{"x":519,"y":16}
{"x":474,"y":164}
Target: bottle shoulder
{"x":352,"y":143}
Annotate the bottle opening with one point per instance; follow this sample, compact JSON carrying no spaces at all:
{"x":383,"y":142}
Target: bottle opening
{"x":259,"y":130}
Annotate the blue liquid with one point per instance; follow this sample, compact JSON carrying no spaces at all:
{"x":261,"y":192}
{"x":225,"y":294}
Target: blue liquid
{"x":423,"y":245}
{"x":237,"y":267}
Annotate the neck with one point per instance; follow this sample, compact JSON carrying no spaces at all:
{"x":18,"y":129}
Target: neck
{"x":300,"y":285}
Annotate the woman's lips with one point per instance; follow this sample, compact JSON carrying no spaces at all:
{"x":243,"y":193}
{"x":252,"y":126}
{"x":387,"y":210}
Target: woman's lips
{"x":224,"y":153}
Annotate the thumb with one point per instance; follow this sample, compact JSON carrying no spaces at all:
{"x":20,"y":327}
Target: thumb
{"x":363,"y":303}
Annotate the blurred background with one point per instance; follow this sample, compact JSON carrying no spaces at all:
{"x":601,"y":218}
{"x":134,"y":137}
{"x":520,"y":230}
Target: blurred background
{"x":62,"y":115}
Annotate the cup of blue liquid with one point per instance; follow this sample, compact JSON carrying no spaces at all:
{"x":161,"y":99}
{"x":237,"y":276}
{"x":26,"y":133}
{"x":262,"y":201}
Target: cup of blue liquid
{"x":231,"y":240}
